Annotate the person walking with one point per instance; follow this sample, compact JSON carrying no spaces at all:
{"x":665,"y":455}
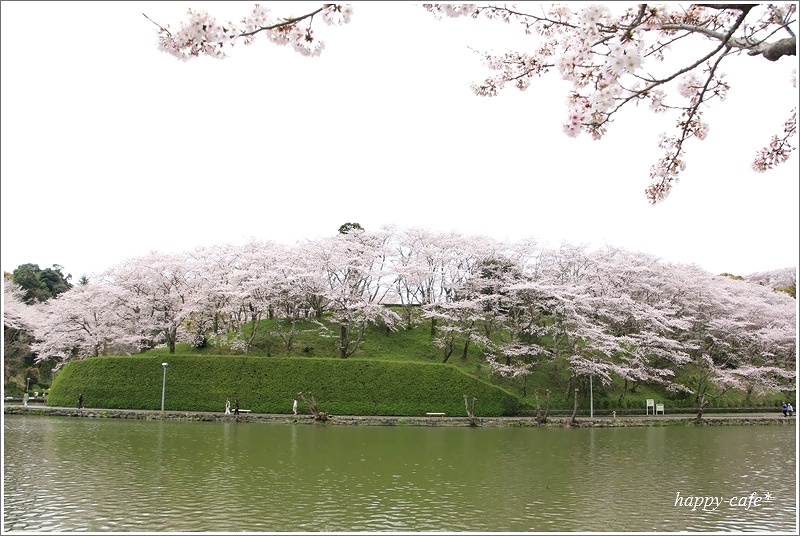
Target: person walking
{"x":80,"y":401}
{"x":294,"y":406}
{"x":785,"y":409}
{"x":228,"y":407}
{"x":236,"y":406}
{"x":790,"y":409}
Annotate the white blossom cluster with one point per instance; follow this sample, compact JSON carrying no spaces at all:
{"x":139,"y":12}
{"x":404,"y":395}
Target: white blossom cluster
{"x":201,"y":34}
{"x":337,"y":14}
{"x":779,"y":148}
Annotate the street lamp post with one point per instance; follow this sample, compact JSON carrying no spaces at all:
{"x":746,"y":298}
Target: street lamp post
{"x":27,"y":388}
{"x":591,"y":399}
{"x":163,"y":384}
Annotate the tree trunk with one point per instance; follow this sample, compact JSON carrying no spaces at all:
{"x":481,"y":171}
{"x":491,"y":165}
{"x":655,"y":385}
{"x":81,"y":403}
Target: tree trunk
{"x":448,"y":350}
{"x":342,"y":341}
{"x":542,"y":419}
{"x":573,"y":421}
{"x":569,"y":388}
{"x":703,"y":402}
{"x":471,"y":414}
{"x":320,"y":416}
{"x":464,"y":351}
{"x":409,"y":318}
{"x":624,"y":390}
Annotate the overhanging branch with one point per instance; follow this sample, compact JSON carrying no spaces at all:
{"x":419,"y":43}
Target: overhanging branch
{"x":778,"y":49}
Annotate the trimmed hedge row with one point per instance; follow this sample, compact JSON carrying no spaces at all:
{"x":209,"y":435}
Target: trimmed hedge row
{"x":268,"y":385}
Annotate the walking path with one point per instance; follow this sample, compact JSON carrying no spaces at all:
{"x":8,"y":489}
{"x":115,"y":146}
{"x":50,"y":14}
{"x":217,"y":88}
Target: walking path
{"x":437,"y":420}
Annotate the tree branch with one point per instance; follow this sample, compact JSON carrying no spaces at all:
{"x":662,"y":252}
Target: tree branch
{"x":778,"y":49}
{"x":771,"y":51}
{"x":733,"y":7}
{"x":285,"y":22}
{"x":157,"y":24}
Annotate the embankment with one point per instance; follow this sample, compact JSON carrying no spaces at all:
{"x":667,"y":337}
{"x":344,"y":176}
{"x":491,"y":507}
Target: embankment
{"x":735,"y":419}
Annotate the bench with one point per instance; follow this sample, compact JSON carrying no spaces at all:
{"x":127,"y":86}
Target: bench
{"x":241,"y":411}
{"x":435,"y":414}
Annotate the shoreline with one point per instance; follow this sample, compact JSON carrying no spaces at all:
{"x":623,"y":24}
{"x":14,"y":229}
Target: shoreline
{"x":625,"y":421}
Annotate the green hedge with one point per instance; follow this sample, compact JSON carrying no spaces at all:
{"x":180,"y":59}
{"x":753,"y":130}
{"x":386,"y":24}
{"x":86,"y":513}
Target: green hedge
{"x":268,"y":385}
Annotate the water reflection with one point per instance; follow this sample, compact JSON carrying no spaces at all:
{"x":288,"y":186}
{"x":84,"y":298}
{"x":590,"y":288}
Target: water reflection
{"x":66,"y":474}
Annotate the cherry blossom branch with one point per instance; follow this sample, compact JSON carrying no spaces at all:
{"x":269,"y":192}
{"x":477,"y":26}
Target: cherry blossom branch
{"x":667,"y":169}
{"x":596,"y":126}
{"x":602,"y":54}
{"x":285,"y":22}
{"x":779,"y":148}
{"x":770,"y":51}
{"x":203,"y":35}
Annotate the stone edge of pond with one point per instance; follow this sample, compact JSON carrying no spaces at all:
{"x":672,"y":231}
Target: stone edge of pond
{"x":445,"y":421}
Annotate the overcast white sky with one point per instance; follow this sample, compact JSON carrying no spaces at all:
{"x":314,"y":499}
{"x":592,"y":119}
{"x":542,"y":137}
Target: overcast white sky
{"x":112,"y":149}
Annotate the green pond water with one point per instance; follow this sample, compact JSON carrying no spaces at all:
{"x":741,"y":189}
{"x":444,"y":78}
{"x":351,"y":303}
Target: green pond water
{"x":81,"y":474}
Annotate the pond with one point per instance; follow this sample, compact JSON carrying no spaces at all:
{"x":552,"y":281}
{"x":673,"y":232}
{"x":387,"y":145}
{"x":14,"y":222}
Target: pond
{"x":79,"y":474}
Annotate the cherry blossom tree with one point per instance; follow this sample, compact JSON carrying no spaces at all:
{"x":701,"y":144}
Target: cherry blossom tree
{"x":524,"y":344}
{"x":741,"y":335}
{"x":590,"y":306}
{"x":417,"y":257}
{"x":354,"y":267}
{"x":619,"y":315}
{"x":626,"y":322}
{"x":236,"y":287}
{"x":456,"y":316}
{"x":230,"y":295}
{"x":16,"y":313}
{"x":430,"y":265}
{"x":86,"y":321}
{"x":157,"y":296}
{"x":458,"y":325}
{"x":512,"y":333}
{"x":215,"y":312}
{"x":669,"y":56}
{"x":782,"y":279}
{"x":257,"y":286}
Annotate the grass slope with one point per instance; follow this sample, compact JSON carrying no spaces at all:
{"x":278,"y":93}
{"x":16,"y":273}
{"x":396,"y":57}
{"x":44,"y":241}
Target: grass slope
{"x":340,"y":386}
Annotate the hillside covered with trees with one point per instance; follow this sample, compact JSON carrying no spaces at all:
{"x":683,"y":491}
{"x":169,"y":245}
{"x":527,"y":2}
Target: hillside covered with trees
{"x":506,"y":311}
